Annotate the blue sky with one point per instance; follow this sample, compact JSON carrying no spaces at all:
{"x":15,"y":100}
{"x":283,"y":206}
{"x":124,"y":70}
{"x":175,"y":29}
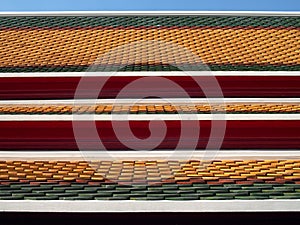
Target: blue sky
{"x":68,"y":5}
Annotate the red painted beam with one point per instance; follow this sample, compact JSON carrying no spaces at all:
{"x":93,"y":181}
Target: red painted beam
{"x":65,"y":87}
{"x":59,"y":135}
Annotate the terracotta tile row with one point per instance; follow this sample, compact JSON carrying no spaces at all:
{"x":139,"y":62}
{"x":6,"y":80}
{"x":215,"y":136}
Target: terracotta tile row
{"x":148,"y":109}
{"x":74,"y":47}
{"x":147,"y":171}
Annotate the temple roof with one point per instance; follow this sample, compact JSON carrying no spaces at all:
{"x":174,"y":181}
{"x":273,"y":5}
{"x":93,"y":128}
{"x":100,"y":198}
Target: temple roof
{"x":142,"y":43}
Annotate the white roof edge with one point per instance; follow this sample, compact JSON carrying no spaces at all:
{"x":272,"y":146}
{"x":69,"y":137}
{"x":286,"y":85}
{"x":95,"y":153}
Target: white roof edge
{"x":242,"y":154}
{"x":131,"y":101}
{"x":152,"y":73}
{"x":269,"y":205}
{"x":152,"y":13}
{"x":147,"y":117}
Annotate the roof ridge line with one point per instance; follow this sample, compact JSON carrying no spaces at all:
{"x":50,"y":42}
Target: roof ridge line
{"x":151,"y":13}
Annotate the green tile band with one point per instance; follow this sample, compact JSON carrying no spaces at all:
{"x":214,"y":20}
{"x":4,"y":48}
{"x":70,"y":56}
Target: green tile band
{"x":146,"y":21}
{"x":150,"y":68}
{"x":174,"y":192}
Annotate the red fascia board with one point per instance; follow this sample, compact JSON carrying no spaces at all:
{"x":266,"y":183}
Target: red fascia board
{"x":59,"y":135}
{"x":65,"y":87}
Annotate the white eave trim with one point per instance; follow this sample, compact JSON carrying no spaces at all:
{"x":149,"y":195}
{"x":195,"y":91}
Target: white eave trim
{"x":152,"y":13}
{"x":255,"y":154}
{"x":152,"y":74}
{"x":148,"y":117}
{"x":150,"y":206}
{"x":152,"y":101}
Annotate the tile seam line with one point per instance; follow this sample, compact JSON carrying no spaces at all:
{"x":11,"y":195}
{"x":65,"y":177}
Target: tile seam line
{"x":146,"y":27}
{"x":151,"y":13}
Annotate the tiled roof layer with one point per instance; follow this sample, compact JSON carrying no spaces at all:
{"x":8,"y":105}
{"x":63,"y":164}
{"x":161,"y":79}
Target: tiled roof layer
{"x":149,"y":43}
{"x":150,"y":109}
{"x":150,"y":180}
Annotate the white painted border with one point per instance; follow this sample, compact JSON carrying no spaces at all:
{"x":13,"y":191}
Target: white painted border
{"x":173,"y":101}
{"x":150,"y":206}
{"x":255,"y":154}
{"x":147,"y":117}
{"x":152,"y":13}
{"x":152,"y":73}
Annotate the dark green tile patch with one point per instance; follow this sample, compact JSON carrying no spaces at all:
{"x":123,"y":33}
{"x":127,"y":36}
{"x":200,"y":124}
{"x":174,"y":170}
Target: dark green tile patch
{"x":137,"y":68}
{"x":146,"y":21}
{"x":172,"y":192}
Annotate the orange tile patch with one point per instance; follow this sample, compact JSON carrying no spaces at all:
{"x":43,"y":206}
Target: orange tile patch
{"x":75,"y":47}
{"x":148,"y":171}
{"x":159,"y":108}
